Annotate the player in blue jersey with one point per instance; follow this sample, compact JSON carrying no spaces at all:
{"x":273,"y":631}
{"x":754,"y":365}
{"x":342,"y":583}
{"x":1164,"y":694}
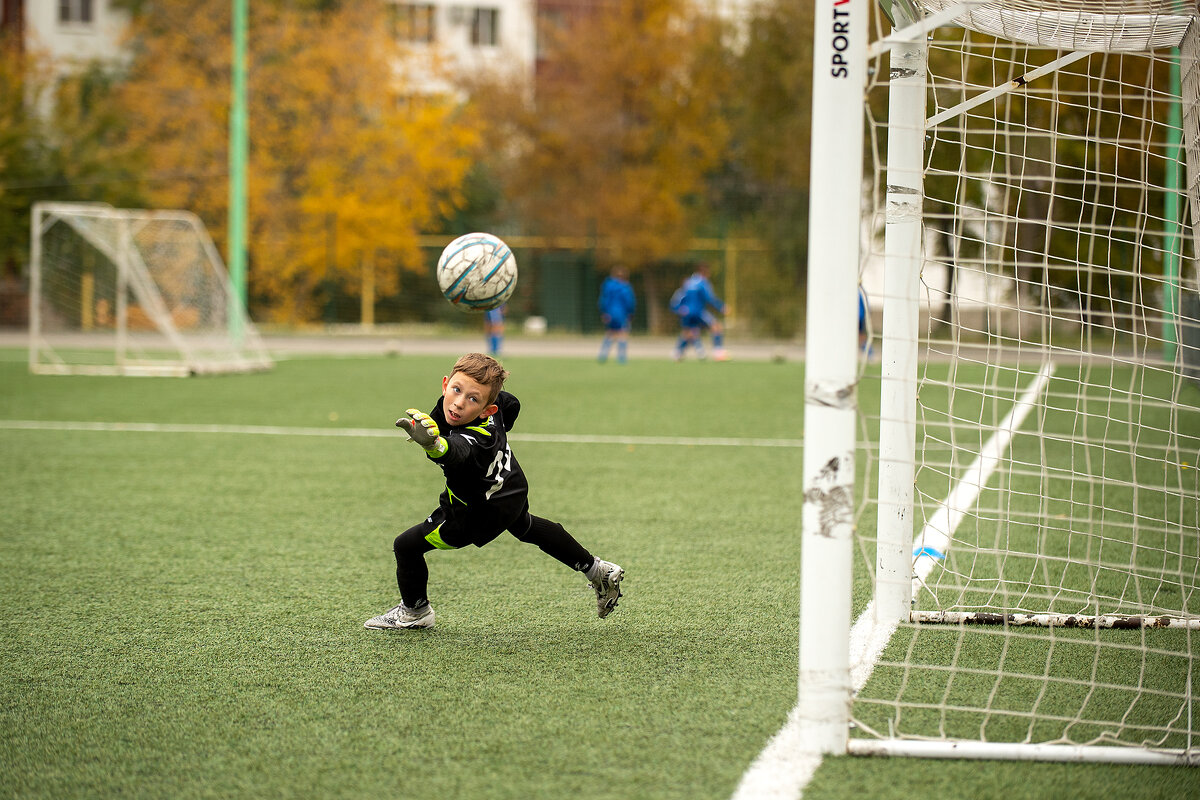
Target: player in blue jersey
{"x":864,"y":336}
{"x":466,"y":434}
{"x":692,"y":303}
{"x":617,"y":304}
{"x":493,"y":328}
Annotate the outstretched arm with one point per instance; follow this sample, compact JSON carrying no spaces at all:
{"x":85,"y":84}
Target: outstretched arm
{"x":424,"y":431}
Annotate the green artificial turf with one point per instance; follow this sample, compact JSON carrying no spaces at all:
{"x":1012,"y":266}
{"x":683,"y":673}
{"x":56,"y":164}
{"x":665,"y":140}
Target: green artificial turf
{"x":183,"y":610}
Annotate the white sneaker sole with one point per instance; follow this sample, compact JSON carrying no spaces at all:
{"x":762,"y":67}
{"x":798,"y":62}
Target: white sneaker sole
{"x":413,"y":627}
{"x":380,"y":624}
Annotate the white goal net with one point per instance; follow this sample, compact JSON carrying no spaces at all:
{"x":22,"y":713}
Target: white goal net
{"x":1026,"y":463}
{"x":131,"y":292}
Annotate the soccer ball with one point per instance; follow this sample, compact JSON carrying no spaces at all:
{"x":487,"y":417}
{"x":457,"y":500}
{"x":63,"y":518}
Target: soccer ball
{"x":477,"y":272}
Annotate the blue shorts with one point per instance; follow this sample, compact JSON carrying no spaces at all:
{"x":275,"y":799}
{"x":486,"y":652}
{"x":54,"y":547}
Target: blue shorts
{"x":704,"y":321}
{"x":616,"y":324}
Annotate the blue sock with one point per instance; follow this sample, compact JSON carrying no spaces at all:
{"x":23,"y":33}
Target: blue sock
{"x":494,"y":343}
{"x":718,"y":338}
{"x":604,"y":345}
{"x":622,"y":352}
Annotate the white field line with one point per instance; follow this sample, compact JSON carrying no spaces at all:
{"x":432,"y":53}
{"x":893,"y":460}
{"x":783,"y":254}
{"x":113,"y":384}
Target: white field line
{"x":941,"y":526}
{"x":272,"y":430}
{"x":787,"y":763}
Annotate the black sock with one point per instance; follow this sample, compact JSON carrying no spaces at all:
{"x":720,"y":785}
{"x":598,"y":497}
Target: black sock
{"x":412,"y":573}
{"x":554,"y":540}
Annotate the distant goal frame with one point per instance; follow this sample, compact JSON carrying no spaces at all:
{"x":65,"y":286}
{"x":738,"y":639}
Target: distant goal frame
{"x":168,"y":311}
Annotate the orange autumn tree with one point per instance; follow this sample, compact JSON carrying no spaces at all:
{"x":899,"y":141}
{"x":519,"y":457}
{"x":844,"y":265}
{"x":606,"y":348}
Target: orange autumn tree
{"x":621,"y":128}
{"x":346,"y":167}
{"x":175,"y":101}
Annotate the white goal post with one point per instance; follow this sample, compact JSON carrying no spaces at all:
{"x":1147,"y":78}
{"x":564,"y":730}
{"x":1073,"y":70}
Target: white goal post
{"x":1001,"y":527}
{"x":132,"y":292}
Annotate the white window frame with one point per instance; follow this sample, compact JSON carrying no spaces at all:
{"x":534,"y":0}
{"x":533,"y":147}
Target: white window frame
{"x":76,"y":12}
{"x":415,"y":23}
{"x":485,"y":26}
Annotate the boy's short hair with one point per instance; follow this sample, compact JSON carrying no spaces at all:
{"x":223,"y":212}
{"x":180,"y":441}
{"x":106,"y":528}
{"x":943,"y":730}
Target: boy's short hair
{"x":484,"y":370}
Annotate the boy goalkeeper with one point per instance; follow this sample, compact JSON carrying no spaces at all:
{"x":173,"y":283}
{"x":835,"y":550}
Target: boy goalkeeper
{"x":486,"y":493}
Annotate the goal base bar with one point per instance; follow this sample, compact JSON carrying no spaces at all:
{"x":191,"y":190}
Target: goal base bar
{"x":997,"y":751}
{"x":165,"y":370}
{"x":1115,"y":621}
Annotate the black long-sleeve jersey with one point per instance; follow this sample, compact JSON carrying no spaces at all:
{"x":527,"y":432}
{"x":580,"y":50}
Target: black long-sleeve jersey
{"x":484,"y":482}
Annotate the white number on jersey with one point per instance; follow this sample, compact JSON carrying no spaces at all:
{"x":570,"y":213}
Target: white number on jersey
{"x":498,"y":471}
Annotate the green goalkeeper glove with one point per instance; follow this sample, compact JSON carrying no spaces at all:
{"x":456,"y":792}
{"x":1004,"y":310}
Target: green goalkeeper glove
{"x":424,"y":431}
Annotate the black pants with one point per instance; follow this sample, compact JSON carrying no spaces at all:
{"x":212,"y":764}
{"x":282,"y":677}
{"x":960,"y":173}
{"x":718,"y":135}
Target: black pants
{"x":436,"y":532}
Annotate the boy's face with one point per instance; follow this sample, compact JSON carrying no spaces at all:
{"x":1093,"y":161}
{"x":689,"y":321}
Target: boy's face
{"x":464,"y":400}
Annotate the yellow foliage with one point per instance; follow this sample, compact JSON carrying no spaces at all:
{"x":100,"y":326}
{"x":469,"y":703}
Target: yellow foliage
{"x":340,"y":167}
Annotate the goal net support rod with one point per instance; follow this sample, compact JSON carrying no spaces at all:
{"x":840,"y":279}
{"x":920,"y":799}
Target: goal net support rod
{"x":1018,"y":83}
{"x":901,"y":323}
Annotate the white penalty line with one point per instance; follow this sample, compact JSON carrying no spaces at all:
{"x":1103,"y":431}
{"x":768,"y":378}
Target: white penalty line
{"x":368,"y":433}
{"x":787,"y":763}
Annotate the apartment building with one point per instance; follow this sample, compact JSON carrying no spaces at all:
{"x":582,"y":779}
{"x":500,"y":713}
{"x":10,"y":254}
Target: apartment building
{"x":445,"y":37}
{"x":442,"y":37}
{"x":73,"y":32}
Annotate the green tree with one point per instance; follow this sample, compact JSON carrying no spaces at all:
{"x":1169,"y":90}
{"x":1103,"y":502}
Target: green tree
{"x":54,"y":126}
{"x":772,"y":110}
{"x":763,"y":189}
{"x":1074,"y":199}
{"x":23,"y":158}
{"x":85,"y":127}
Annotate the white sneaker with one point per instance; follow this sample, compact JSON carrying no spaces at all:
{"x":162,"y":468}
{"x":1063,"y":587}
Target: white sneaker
{"x":401,"y":618}
{"x":605,"y":579}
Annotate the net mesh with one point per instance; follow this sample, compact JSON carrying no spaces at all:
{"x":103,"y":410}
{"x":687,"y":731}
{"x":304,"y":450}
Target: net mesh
{"x":1057,"y":269}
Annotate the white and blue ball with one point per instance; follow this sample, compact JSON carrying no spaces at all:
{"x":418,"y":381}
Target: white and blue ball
{"x":477,"y":272}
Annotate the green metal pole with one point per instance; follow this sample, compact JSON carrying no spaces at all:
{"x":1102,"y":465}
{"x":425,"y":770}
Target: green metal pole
{"x":1171,"y":212}
{"x":238,"y":145}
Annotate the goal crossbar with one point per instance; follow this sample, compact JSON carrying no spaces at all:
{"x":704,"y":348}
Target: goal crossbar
{"x":1048,"y":24}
